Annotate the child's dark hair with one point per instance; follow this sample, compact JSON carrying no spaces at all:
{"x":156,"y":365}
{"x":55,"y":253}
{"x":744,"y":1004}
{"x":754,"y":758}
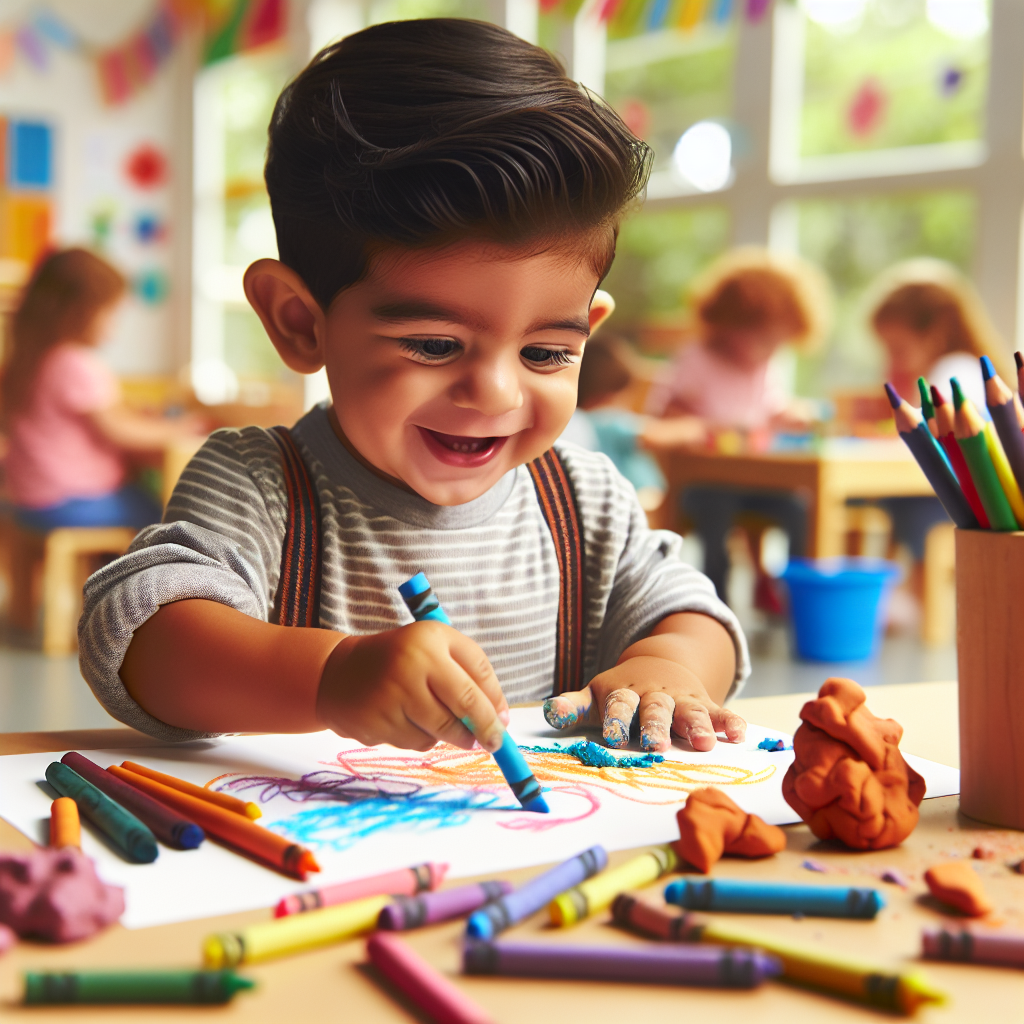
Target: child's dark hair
{"x":420,"y":133}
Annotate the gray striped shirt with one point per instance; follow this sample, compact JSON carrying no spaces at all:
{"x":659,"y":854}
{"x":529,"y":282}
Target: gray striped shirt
{"x":491,"y":562}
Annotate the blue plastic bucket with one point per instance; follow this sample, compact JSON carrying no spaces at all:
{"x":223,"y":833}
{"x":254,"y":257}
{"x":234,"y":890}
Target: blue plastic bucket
{"x":838,"y":605}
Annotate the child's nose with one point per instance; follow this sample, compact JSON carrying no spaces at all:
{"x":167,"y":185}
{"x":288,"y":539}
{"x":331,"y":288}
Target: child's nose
{"x":490,"y":388}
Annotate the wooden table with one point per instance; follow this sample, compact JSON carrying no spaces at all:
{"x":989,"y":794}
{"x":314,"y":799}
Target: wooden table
{"x":845,"y":468}
{"x":334,"y":984}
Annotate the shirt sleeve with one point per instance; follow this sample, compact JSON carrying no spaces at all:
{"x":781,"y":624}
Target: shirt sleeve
{"x":220,"y":541}
{"x":676,"y":383}
{"x":635,"y":575}
{"x":79,"y":381}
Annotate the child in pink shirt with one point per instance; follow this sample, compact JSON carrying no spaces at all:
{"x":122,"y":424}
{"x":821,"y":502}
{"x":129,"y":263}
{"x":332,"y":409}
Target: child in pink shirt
{"x":68,"y":433}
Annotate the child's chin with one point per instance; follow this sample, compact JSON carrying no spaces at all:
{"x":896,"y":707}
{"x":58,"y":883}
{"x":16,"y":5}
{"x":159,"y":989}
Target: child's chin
{"x":456,"y":488}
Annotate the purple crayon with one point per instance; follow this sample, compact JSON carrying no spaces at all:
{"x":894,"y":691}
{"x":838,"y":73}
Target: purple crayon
{"x":504,"y":912}
{"x":416,"y":911}
{"x":722,"y":966}
{"x":976,"y":946}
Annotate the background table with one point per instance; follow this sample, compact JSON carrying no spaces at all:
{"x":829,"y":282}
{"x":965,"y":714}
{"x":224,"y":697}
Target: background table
{"x":333,"y":984}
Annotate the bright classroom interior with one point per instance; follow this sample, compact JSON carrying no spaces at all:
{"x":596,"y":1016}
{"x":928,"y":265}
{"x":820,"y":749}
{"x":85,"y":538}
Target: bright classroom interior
{"x":835,"y":201}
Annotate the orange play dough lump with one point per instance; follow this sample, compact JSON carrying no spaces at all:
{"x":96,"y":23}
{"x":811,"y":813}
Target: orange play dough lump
{"x":848,"y":779}
{"x":957,"y":884}
{"x":711,"y":825}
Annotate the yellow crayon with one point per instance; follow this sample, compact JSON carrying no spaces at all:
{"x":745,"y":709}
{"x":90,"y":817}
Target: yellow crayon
{"x":293,"y":934}
{"x":1005,"y":473}
{"x":598,"y":892}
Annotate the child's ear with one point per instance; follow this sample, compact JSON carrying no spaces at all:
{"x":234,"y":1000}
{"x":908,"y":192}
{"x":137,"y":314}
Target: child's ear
{"x":292,"y":318}
{"x":601,"y":307}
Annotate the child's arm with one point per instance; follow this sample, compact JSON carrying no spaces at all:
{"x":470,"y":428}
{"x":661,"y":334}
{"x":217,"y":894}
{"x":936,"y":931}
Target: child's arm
{"x":204,"y":666}
{"x":677,"y":677}
{"x":137,"y":432}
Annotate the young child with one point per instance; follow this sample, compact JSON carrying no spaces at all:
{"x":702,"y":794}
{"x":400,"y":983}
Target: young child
{"x":446,"y":203}
{"x":745,"y":307}
{"x":69,"y":435}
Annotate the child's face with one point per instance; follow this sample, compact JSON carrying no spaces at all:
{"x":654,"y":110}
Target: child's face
{"x":911,"y":353}
{"x":747,"y":347}
{"x":449,"y":368}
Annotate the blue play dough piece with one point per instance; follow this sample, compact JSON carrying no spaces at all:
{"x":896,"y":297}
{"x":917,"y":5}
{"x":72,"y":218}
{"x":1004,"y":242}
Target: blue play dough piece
{"x":593,"y":755}
{"x":773,"y":745}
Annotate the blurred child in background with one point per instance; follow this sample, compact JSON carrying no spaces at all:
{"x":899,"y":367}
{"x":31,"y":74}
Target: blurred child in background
{"x":69,"y":435}
{"x":745,"y":308}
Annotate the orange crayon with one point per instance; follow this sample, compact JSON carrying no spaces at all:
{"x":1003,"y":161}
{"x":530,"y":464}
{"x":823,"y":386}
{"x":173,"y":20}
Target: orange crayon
{"x":227,"y":826}
{"x":65,"y":826}
{"x":225,"y":800}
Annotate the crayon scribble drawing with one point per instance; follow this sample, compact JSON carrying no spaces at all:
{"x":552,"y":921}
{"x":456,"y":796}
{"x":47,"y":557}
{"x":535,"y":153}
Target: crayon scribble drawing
{"x":369,"y":790}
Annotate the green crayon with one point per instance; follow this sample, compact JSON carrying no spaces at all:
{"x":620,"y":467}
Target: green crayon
{"x":123,"y":829}
{"x":134,"y":987}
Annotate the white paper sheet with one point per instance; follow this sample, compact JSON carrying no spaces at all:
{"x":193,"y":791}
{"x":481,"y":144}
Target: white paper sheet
{"x":367,"y":810}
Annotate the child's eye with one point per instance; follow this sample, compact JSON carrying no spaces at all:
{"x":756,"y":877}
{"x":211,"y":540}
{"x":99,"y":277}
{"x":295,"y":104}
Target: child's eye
{"x":547,"y":358}
{"x":431,"y":350}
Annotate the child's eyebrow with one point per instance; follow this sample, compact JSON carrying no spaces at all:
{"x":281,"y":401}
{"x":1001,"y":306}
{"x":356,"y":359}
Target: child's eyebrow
{"x":404,"y":310}
{"x":576,"y":324}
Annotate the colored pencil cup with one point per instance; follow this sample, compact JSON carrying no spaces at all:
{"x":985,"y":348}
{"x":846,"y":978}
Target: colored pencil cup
{"x":838,"y":606}
{"x":990,"y":661}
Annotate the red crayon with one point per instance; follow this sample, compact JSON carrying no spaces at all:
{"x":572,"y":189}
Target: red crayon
{"x":944,"y":425}
{"x":430,"y":990}
{"x":976,"y":946}
{"x":403,"y":882}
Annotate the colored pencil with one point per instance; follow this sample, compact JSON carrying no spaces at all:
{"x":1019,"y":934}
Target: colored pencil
{"x":742,"y":897}
{"x":944,"y":423}
{"x":228,"y":827}
{"x":167,"y":825}
{"x":927,"y":407}
{"x":110,"y":987}
{"x":802,"y":964}
{"x":427,"y":987}
{"x":999,"y":399}
{"x":65,"y":825}
{"x":932,"y":459}
{"x":422,"y":602}
{"x":211,"y":796}
{"x":1004,"y":473}
{"x":403,"y":882}
{"x":969,"y":428}
{"x":121,"y":827}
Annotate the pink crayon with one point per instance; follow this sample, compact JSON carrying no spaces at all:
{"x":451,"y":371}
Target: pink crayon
{"x":430,"y":990}
{"x":417,"y":911}
{"x":404,"y":882}
{"x":975,"y":946}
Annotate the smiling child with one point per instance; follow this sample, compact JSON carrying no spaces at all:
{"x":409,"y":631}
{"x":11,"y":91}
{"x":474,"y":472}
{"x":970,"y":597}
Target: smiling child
{"x":446,"y":203}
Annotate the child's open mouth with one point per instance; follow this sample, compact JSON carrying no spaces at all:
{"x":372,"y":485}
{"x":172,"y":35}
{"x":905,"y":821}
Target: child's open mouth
{"x":460,"y":450}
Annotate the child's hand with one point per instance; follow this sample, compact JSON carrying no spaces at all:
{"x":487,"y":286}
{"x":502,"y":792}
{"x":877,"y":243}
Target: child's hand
{"x":669,"y":697}
{"x":411,"y":687}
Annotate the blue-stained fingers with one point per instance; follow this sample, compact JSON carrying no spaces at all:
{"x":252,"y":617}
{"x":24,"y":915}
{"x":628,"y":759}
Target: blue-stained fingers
{"x":656,"y":710}
{"x":619,"y":708}
{"x":568,"y":709}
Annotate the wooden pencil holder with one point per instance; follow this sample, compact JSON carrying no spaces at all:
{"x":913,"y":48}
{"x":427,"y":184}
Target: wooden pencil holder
{"x":990,"y":660}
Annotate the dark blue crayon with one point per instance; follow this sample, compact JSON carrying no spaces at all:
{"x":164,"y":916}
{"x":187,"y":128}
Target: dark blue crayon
{"x":538,"y":892}
{"x":421,"y":600}
{"x":775,"y":898}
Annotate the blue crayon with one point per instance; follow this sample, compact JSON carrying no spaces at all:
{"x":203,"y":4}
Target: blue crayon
{"x":775,"y":898}
{"x":421,"y":600}
{"x":538,"y":892}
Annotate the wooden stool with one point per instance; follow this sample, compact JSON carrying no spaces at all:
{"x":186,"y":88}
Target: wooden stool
{"x":63,"y":556}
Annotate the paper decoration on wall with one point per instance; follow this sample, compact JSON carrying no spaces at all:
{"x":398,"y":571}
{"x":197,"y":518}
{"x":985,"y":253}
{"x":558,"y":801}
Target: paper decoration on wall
{"x":951,"y":81}
{"x":26,"y":202}
{"x":247,"y":25}
{"x":149,"y":229}
{"x":124,"y":69}
{"x":632,"y":17}
{"x":146,"y":166}
{"x":867,"y":108}
{"x":637,"y":116}
{"x":151,"y":286}
{"x":101,"y":226}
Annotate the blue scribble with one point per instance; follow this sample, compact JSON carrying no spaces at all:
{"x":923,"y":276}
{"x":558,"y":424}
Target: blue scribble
{"x":343,"y":825}
{"x":595,"y":756}
{"x":773,"y":745}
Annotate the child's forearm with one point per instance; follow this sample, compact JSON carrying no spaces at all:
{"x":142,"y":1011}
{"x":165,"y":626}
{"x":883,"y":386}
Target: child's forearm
{"x":697,"y":642}
{"x":204,"y":666}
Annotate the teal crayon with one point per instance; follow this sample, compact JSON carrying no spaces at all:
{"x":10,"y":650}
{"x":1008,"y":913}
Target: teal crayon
{"x":732,"y":894}
{"x":422,"y":602}
{"x":123,"y":829}
{"x":105,"y":987}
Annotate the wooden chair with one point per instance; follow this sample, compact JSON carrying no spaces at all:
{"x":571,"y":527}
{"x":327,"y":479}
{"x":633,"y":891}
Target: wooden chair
{"x":50,"y":569}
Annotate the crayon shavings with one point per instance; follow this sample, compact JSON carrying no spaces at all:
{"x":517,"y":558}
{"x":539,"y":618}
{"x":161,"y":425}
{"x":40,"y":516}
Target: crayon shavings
{"x":592,"y":755}
{"x":773,"y":745}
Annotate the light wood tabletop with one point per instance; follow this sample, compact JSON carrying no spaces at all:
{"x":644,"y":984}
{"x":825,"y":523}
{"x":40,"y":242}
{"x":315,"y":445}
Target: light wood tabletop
{"x":335,"y":984}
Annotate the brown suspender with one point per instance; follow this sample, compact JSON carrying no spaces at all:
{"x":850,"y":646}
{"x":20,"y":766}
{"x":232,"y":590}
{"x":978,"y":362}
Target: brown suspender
{"x":299,"y":586}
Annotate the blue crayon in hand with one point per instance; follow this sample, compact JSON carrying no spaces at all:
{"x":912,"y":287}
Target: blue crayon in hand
{"x":775,"y":898}
{"x":421,"y":600}
{"x":502,"y":913}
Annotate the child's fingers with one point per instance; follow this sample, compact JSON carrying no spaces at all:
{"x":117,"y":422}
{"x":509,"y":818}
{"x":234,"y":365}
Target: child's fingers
{"x":693,"y":722}
{"x":460,"y":704}
{"x":568,"y":709}
{"x":656,"y":709}
{"x":469,"y":655}
{"x":619,"y":708}
{"x":730,"y":723}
